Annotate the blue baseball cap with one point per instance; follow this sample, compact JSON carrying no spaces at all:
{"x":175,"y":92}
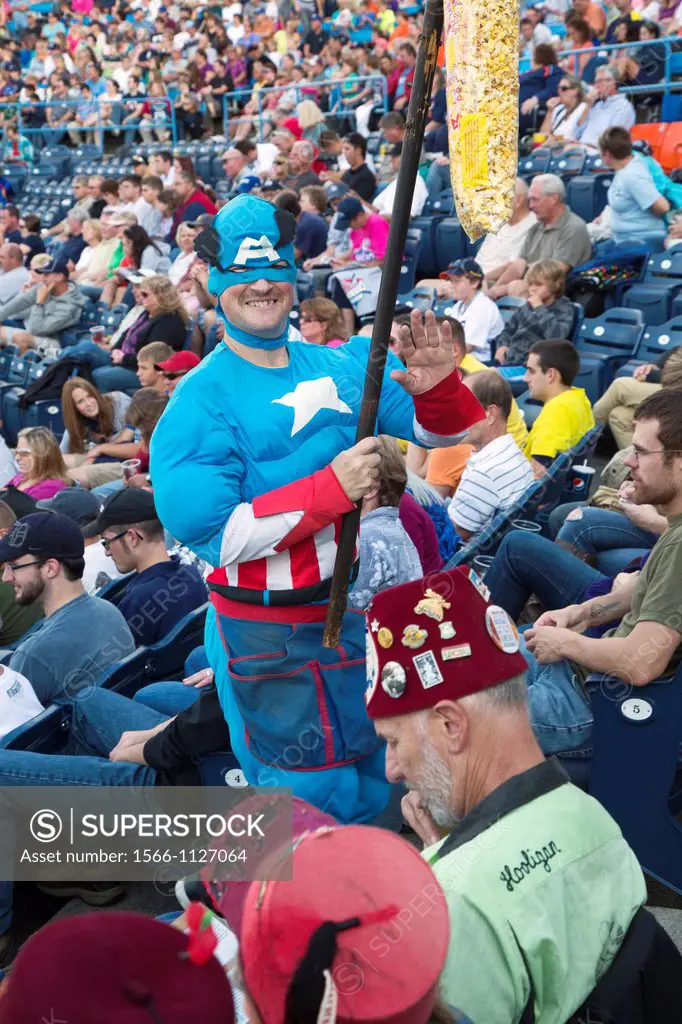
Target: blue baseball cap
{"x":348,"y":210}
{"x":75,"y":502}
{"x":44,"y":534}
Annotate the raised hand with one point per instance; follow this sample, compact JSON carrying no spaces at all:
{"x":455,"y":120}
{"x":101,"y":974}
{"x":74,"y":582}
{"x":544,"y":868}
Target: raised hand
{"x":428,"y":351}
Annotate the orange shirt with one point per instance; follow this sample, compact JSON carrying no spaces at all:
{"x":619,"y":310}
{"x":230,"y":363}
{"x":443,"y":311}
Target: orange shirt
{"x":595,"y":16}
{"x":446,"y":465}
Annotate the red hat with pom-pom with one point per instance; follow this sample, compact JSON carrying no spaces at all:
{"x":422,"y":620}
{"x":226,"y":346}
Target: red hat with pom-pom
{"x":436,"y":639}
{"x":359,"y":935}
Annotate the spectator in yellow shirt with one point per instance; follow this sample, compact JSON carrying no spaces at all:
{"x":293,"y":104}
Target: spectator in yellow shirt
{"x":443,"y":467}
{"x":566,"y":414}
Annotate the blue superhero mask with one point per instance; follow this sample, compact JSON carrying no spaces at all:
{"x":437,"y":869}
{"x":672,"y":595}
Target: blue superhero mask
{"x":249,"y":240}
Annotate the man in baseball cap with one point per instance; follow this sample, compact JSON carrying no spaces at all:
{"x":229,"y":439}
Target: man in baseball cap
{"x":76,"y":503}
{"x":175,"y":368}
{"x":537,"y":875}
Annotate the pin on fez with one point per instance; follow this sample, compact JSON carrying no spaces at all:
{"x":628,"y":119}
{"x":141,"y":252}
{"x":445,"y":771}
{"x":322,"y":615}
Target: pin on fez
{"x":359,"y":935}
{"x":118,"y":967}
{"x":436,"y":639}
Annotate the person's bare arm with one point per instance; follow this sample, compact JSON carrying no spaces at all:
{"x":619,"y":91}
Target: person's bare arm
{"x":417,"y":459}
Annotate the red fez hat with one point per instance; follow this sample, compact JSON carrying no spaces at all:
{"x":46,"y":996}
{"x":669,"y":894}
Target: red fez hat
{"x":114,"y":966}
{"x":436,"y":639}
{"x":359,"y":935}
{"x":228,"y":896}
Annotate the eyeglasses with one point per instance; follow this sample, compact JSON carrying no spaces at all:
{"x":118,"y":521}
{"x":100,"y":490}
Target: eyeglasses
{"x":108,"y":541}
{"x":566,"y":88}
{"x":639,"y":453}
{"x":14,"y":567}
{"x":311,"y":320}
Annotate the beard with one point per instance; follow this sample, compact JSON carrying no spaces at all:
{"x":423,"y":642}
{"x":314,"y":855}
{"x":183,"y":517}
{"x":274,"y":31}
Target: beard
{"x":434,"y":786}
{"x":30,"y":592}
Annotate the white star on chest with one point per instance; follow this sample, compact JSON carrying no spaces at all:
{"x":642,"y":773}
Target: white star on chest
{"x":308,"y":398}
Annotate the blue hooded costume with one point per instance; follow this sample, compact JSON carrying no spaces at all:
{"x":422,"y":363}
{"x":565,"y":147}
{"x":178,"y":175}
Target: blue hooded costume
{"x":241,"y":468}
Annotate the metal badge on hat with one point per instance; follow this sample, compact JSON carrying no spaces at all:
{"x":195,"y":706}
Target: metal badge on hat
{"x":501,"y":629}
{"x":414,"y":637}
{"x":479,"y":584}
{"x":394,"y":679}
{"x":433,"y":605}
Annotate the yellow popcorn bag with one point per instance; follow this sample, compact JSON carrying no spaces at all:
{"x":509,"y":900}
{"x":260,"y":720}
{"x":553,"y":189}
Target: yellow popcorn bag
{"x":482,"y":82}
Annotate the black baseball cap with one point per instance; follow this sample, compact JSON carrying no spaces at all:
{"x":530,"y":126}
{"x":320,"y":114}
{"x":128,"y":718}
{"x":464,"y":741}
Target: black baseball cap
{"x":44,"y":534}
{"x":56,"y":266}
{"x":131,"y":505}
{"x":348,"y":210}
{"x":464,"y":268}
{"x":75,"y":502}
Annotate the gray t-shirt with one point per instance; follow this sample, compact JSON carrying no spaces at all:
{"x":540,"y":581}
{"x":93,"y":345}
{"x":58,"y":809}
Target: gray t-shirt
{"x":72,"y":647}
{"x":121,"y":402}
{"x":566,"y":241}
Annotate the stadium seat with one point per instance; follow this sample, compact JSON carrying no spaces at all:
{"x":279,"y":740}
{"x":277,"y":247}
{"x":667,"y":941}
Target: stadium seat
{"x":44,"y":413}
{"x":17,"y":374}
{"x":408,"y":270}
{"x":604,"y":344}
{"x":422,"y":297}
{"x":6,"y":355}
{"x":654,"y":134}
{"x":586,"y":195}
{"x":536,"y":162}
{"x":636,"y":743}
{"x":571,"y":162}
{"x":489,"y":539}
{"x":670,"y":153}
{"x":113,"y":591}
{"x":427,"y":223}
{"x":221,"y":769}
{"x":508,"y":305}
{"x":451,"y":242}
{"x":45,"y":734}
{"x":655,"y":341}
{"x":12,"y":411}
{"x":126,"y":676}
{"x":166,"y":659}
{"x":661,"y":282}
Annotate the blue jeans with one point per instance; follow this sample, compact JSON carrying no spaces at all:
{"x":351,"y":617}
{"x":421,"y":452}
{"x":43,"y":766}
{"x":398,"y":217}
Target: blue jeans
{"x":92,"y":354}
{"x":99,"y":719}
{"x":527,"y":563}
{"x":169,"y":698}
{"x":608,"y":536}
{"x":105,"y":490}
{"x":560,"y":718}
{"x":115,"y":378}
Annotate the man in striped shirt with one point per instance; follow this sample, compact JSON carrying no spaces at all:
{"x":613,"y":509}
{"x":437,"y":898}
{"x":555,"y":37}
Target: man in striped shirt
{"x":498,"y":472}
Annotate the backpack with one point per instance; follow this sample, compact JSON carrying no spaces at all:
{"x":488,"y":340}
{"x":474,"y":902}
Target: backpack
{"x":49,"y":386}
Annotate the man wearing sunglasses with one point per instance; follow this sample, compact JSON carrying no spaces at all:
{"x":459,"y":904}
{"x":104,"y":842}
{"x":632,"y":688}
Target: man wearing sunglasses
{"x":175,"y":368}
{"x":254,"y":463}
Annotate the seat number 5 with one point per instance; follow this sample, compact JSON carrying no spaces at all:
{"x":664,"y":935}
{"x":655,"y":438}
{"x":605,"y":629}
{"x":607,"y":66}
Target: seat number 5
{"x":636,"y":710}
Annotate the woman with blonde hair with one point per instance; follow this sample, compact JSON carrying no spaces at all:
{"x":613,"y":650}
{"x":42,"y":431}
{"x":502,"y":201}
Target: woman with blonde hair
{"x":321,"y":323}
{"x":42,"y":470}
{"x":311,"y":120}
{"x":96,"y":437}
{"x":164,"y":319}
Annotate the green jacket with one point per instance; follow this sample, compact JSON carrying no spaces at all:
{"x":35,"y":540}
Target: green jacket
{"x":541,"y":889}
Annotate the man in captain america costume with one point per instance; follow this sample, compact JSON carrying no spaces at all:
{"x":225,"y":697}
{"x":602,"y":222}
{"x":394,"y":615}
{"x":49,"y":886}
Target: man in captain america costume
{"x":254,"y":464}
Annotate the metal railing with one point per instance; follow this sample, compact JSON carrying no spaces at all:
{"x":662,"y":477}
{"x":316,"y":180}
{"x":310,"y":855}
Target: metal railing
{"x":670,"y":47}
{"x":116,"y":125}
{"x":233,"y":102}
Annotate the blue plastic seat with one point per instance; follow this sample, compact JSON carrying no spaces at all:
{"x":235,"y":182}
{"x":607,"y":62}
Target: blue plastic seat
{"x":126,"y":676}
{"x":655,"y":342}
{"x":536,"y":162}
{"x":586,"y":194}
{"x":451,"y":242}
{"x":661,"y":283}
{"x":490,"y":538}
{"x":44,"y":413}
{"x":6,"y":355}
{"x":422,"y":297}
{"x":508,"y":305}
{"x":604,"y":344}
{"x":427,"y":223}
{"x":633,"y":771}
{"x":166,"y":659}
{"x":12,"y":412}
{"x":568,"y":163}
{"x":220,"y":769}
{"x":44,"y":734}
{"x":408,"y":270}
{"x":113,"y":591}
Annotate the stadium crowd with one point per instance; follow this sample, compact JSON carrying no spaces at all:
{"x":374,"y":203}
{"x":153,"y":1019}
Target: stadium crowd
{"x":529,"y":561}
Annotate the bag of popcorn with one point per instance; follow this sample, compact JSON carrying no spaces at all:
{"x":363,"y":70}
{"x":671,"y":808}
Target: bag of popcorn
{"x":482,"y":84}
